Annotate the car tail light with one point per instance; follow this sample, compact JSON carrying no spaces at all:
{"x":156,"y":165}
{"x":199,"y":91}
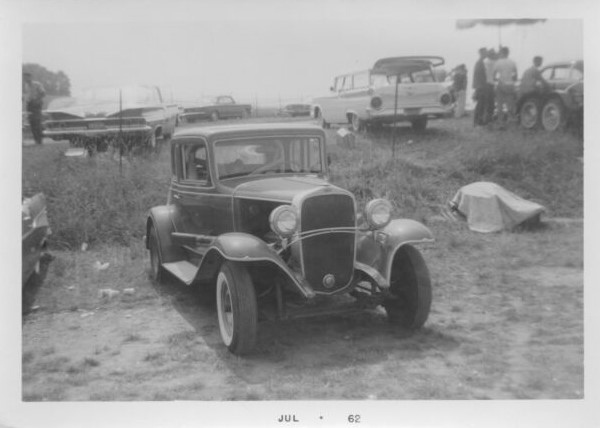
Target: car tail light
{"x":445,"y":99}
{"x":376,"y":102}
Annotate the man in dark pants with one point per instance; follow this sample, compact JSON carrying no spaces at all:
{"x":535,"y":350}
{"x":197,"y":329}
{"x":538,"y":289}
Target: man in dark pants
{"x":490,"y":93}
{"x":479,"y":85}
{"x":33,"y":97}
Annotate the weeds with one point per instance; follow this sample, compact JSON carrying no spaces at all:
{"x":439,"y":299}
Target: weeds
{"x":94,"y":201}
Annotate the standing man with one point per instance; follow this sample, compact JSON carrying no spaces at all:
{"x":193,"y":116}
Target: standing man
{"x":532,"y":80}
{"x":505,"y":74}
{"x":33,"y":98}
{"x":490,"y":103}
{"x":459,"y":86}
{"x":479,"y":84}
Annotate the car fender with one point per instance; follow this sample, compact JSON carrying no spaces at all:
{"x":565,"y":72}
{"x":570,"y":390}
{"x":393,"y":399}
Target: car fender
{"x":162,"y":218}
{"x":246,"y":248}
{"x":376,"y":249}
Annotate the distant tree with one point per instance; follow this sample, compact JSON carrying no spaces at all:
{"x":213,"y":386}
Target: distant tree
{"x":56,"y":84}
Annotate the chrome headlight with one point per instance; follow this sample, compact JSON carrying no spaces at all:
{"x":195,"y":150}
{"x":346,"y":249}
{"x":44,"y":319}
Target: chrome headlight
{"x":284,"y":220}
{"x":378,"y":213}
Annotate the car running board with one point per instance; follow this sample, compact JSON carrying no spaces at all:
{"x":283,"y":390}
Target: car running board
{"x":183,"y":270}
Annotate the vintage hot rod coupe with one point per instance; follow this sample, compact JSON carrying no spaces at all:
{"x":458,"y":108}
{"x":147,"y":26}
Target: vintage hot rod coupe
{"x":250,"y":210}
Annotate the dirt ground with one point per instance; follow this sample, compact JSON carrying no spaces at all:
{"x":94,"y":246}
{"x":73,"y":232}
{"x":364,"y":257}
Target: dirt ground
{"x":507,"y":329}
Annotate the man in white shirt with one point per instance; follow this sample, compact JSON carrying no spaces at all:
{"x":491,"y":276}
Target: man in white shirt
{"x":505,"y":76}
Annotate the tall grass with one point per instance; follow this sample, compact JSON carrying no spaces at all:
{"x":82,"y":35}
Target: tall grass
{"x":92,"y":200}
{"x":427,"y":170}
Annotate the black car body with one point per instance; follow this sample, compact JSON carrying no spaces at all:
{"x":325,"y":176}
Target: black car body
{"x":250,"y":209}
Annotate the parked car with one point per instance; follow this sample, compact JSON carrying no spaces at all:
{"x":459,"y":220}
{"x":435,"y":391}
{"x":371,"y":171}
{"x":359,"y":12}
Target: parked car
{"x":402,"y":89}
{"x":98,"y":116}
{"x":294,"y":110}
{"x":250,"y":210}
{"x":222,"y":107}
{"x":35,"y":231}
{"x":556,"y":106}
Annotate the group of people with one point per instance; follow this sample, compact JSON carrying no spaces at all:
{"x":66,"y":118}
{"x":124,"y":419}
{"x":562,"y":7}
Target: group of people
{"x":33,"y":99}
{"x":494,"y":82}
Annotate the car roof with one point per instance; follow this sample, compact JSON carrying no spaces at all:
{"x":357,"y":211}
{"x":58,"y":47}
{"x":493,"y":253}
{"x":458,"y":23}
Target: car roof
{"x":578,"y":63}
{"x":248,"y":129}
{"x":395,"y":65}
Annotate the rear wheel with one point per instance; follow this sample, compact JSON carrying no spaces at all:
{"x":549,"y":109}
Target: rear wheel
{"x":529,"y":114}
{"x":419,"y":124}
{"x":156,"y":269}
{"x":410,"y":287}
{"x":356,"y":123}
{"x":236,"y":308}
{"x":553,"y":115}
{"x":319,"y":117}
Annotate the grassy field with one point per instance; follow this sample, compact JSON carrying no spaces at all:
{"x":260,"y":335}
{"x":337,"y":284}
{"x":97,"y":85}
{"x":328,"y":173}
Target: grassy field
{"x":507,"y":316}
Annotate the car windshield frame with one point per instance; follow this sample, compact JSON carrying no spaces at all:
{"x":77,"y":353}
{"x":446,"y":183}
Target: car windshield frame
{"x":269,"y":155}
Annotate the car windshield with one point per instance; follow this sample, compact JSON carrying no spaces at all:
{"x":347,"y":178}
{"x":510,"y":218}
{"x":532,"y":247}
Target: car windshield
{"x":279,"y":155}
{"x":411,"y":73}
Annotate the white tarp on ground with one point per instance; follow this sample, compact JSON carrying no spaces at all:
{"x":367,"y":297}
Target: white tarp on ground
{"x":489,"y":207}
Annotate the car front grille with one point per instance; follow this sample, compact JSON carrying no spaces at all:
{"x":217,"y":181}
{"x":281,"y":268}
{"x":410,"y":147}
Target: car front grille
{"x":332,"y":253}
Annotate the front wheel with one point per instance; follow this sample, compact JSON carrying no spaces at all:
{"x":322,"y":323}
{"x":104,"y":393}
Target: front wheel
{"x":156,"y":269}
{"x":553,"y":115}
{"x":236,"y":308}
{"x":529,"y":114}
{"x":410,"y":286}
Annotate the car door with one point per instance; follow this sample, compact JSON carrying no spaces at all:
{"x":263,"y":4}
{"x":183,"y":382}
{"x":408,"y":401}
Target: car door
{"x":416,"y":89}
{"x":202,"y":210}
{"x":336,"y":106}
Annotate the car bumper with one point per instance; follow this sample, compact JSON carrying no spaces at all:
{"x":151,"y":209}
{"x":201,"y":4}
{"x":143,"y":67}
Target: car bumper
{"x":402,"y":114}
{"x":140,"y":130}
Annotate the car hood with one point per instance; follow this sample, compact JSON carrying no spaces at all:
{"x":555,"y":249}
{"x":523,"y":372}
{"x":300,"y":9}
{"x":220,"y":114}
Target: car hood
{"x":280,"y":189}
{"x":96,"y":109}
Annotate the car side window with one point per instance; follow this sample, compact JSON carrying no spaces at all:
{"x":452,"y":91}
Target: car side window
{"x":562,"y":73}
{"x":195,"y":167}
{"x":547,"y":73}
{"x":576,"y":74}
{"x":361,"y":80}
{"x":339,"y":83}
{"x":347,"y":83}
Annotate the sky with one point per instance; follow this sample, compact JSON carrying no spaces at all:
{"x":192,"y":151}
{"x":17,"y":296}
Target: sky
{"x":270,"y":59}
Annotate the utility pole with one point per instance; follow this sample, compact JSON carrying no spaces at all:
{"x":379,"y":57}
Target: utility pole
{"x":395,"y":119}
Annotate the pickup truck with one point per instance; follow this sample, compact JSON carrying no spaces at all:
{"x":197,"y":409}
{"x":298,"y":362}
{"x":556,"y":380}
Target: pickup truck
{"x":101,"y":117}
{"x":222,"y":107}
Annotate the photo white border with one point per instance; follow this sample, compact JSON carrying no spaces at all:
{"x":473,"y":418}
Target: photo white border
{"x":414,"y":413}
